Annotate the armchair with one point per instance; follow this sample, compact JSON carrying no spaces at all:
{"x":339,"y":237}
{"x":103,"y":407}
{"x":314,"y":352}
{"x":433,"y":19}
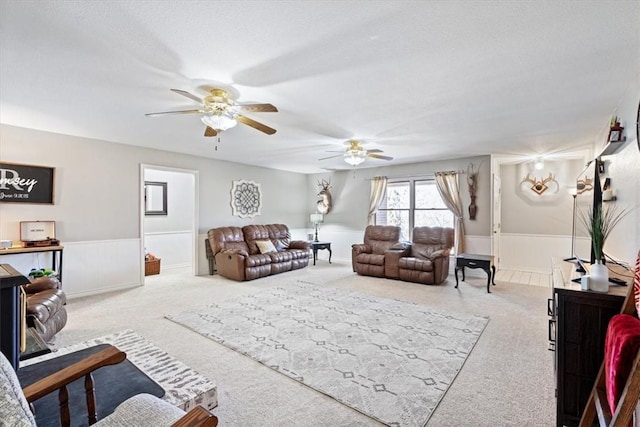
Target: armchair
{"x":368,"y":258}
{"x":140,"y":410}
{"x":45,"y":306}
{"x":428,"y":259}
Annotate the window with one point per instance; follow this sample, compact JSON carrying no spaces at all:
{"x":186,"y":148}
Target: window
{"x":413,"y":203}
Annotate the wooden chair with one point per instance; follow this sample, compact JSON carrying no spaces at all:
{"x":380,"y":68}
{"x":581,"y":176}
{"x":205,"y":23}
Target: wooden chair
{"x":598,"y":403}
{"x":59,"y":381}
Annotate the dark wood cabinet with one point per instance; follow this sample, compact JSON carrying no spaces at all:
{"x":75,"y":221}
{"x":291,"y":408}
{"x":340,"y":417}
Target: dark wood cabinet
{"x":10,"y":313}
{"x":578,"y":327}
{"x":581,"y":324}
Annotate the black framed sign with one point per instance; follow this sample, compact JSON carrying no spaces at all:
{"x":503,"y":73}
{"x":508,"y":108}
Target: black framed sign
{"x":26,"y":183}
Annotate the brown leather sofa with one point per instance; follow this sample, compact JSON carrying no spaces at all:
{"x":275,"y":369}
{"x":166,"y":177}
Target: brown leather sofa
{"x":46,"y":310}
{"x":427,"y":260}
{"x":368,"y":258}
{"x":238,"y":255}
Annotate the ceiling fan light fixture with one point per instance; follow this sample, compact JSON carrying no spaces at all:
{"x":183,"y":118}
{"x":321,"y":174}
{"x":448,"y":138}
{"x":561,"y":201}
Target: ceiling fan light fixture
{"x":355,"y":157}
{"x":219,"y":121}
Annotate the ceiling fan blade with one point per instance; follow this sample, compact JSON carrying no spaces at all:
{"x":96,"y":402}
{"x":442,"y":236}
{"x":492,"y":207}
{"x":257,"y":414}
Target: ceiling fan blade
{"x":378,"y":156}
{"x":188,"y":95}
{"x":209,"y":131}
{"x":174,"y":112}
{"x":258,"y":108}
{"x":374,"y":150}
{"x":256,"y":125}
{"x":331,"y":157}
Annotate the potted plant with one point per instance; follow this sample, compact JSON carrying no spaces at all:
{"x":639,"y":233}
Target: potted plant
{"x":599,"y":224}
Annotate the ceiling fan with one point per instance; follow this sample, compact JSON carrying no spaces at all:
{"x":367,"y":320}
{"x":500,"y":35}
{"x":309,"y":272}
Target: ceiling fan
{"x":356,"y":154}
{"x":220,"y":113}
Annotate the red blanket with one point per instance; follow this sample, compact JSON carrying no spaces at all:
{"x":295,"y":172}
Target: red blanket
{"x":621,"y":347}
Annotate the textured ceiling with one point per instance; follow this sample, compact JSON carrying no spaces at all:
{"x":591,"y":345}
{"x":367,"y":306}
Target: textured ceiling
{"x":421,"y":80}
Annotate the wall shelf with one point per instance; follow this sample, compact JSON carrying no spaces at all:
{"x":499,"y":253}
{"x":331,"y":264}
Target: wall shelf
{"x":612,"y":147}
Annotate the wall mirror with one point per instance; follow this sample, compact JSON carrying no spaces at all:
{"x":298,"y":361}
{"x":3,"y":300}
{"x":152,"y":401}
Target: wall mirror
{"x":155,"y":198}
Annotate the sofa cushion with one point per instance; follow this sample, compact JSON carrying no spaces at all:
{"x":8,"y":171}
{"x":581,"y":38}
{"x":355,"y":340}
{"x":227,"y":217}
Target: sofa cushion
{"x":372,"y":259}
{"x":142,"y":409}
{"x":381,"y":237}
{"x":265,"y":246}
{"x":258,"y":260}
{"x":14,"y":410}
{"x":45,"y":304}
{"x":277,"y":257}
{"x":225,"y":238}
{"x":418,"y":264}
{"x":253,"y":233}
{"x":298,"y":253}
{"x":280,"y":236}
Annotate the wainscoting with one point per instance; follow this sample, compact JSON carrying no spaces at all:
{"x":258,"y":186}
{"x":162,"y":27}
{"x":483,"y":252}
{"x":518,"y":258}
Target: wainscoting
{"x":533,"y":252}
{"x":175,"y":248}
{"x":90,"y":267}
{"x":101,"y":266}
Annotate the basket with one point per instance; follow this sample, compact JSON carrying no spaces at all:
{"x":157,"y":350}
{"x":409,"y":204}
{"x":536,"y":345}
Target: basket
{"x":152,"y":267}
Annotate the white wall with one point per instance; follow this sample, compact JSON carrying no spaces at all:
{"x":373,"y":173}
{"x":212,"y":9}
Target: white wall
{"x":350,"y":191}
{"x":97,"y":205}
{"x":170,"y":237}
{"x":534,"y":232}
{"x":623,"y":168}
{"x":97,"y":202}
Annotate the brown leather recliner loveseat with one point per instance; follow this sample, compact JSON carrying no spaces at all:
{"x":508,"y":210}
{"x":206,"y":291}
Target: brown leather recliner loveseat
{"x":255,"y":251}
{"x":46,"y":311}
{"x":425,"y":260}
{"x":368,"y":258}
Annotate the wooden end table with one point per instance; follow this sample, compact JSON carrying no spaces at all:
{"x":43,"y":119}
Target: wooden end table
{"x":485,"y":262}
{"x":315,"y":246}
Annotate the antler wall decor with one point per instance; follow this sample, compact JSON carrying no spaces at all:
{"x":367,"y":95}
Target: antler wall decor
{"x":324,"y":204}
{"x":539,"y":186}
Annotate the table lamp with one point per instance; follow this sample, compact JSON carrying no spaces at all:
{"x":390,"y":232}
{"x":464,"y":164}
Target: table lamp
{"x":315,"y":219}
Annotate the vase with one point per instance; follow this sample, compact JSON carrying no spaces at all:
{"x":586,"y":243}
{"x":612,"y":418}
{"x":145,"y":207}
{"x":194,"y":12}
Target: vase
{"x":473,"y":208}
{"x":599,"y":280}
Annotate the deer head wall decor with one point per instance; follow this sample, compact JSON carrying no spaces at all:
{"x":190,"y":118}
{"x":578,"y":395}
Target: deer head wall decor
{"x":324,"y":204}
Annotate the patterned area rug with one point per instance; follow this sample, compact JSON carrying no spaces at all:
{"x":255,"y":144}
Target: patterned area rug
{"x":391,"y":360}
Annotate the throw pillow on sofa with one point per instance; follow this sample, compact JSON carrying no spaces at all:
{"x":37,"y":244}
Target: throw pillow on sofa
{"x":265,"y":246}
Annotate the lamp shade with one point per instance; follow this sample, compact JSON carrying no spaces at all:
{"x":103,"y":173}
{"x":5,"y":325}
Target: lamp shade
{"x":316,"y":218}
{"x":219,"y":121}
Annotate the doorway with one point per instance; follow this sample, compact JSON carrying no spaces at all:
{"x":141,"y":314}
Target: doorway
{"x":169,"y":233}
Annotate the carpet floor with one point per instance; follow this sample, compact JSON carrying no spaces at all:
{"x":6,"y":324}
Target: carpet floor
{"x":389,"y":359}
{"x":507,"y":380}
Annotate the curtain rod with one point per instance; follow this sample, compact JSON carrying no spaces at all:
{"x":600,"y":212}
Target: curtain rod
{"x":429,"y":175}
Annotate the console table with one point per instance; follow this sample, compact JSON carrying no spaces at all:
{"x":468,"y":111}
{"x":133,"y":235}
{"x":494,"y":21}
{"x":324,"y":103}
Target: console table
{"x":315,"y":246}
{"x":56,"y":255}
{"x":485,"y":262}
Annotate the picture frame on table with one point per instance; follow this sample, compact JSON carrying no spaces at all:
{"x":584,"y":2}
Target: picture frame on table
{"x":615,"y":134}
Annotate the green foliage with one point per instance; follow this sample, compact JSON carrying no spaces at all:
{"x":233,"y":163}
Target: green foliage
{"x":599,"y":225}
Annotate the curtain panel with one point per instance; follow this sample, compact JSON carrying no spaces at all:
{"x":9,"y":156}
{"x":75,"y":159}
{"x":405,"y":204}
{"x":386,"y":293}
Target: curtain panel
{"x":378,"y":190}
{"x":449,"y":188}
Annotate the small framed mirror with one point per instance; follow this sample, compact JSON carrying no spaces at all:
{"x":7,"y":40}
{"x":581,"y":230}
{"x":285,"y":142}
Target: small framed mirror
{"x":155,"y":198}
